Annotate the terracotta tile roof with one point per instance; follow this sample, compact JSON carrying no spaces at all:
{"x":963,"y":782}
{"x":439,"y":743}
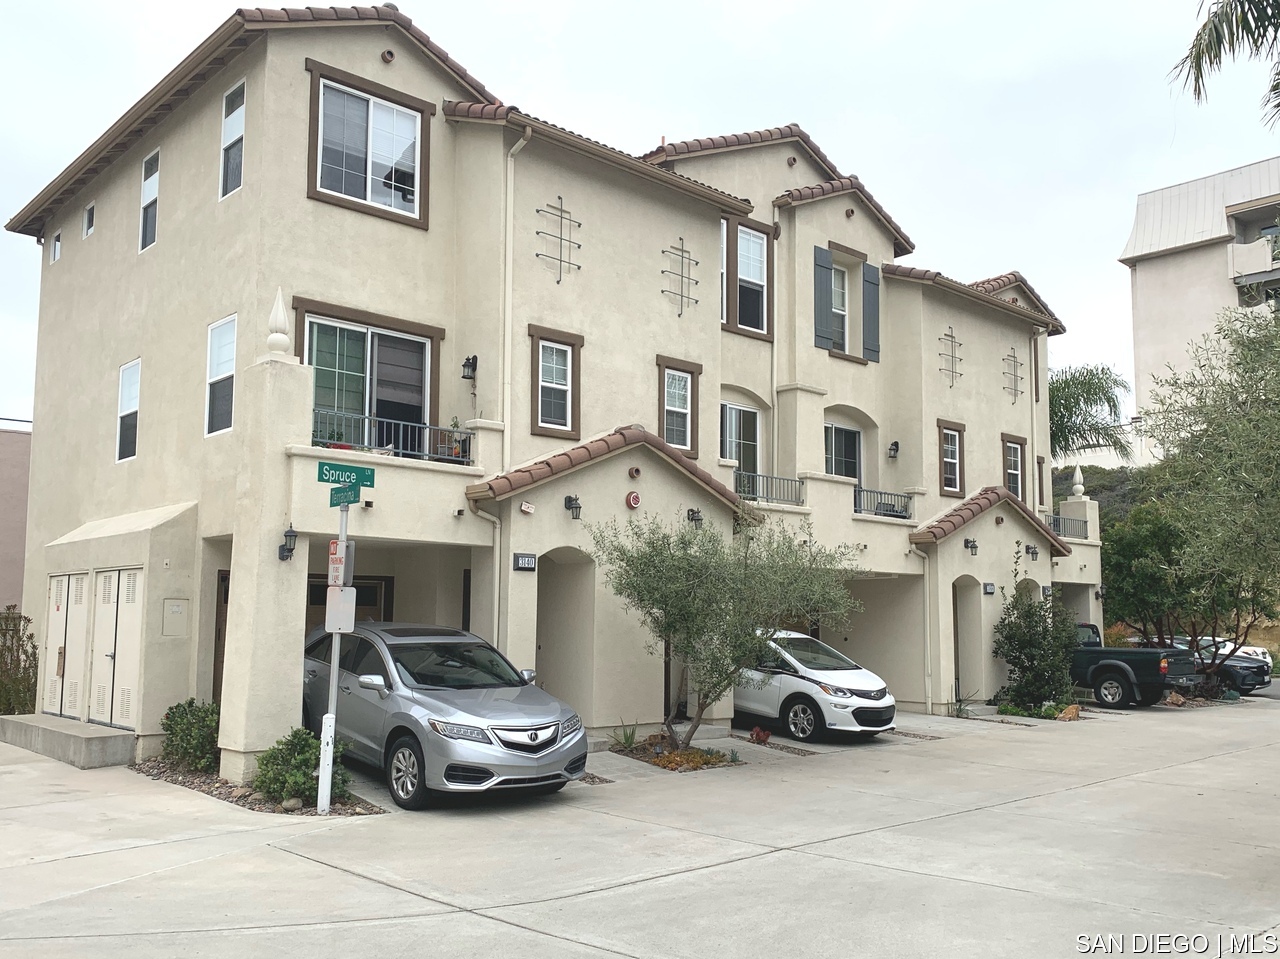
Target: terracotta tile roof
{"x":505,"y":484}
{"x":461,"y":110}
{"x":386,"y":12}
{"x":902,"y":244}
{"x":977,"y":504}
{"x":791,"y":131}
{"x":232,"y":38}
{"x":1047,"y":320}
{"x":993,"y":285}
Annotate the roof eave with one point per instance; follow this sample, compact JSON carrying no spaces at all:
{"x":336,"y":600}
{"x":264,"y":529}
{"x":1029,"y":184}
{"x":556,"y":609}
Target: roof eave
{"x":1052,"y":325}
{"x":1129,"y":261}
{"x":902,"y":244}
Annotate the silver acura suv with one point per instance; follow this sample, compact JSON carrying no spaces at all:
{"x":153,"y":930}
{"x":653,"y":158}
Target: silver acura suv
{"x":441,"y":709}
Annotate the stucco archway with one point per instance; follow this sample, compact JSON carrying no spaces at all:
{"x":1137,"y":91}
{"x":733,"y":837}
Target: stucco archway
{"x":967,"y":639}
{"x":565,"y":655}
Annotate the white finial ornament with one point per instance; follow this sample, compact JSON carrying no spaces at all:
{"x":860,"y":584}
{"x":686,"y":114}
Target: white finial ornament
{"x":278,"y":326}
{"x":1077,"y":483}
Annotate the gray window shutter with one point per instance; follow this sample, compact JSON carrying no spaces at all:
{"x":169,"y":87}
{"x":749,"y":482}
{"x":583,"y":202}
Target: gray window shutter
{"x":822,"y":331}
{"x":870,"y":313}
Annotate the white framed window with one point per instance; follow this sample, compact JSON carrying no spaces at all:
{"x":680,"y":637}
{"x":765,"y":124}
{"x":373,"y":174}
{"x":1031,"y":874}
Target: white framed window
{"x":221,"y":374}
{"x":843,"y":451}
{"x":88,"y":219}
{"x":752,"y":279}
{"x":369,"y":149}
{"x":677,"y":391}
{"x":951,"y":452}
{"x":232,"y":159}
{"x":740,"y":436}
{"x":839,"y":308}
{"x":1013,"y":468}
{"x":127,"y":411}
{"x":150,"y":201}
{"x":555,"y":394}
{"x":55,"y":247}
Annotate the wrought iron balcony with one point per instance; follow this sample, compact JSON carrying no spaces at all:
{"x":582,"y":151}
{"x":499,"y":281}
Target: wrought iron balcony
{"x":877,"y":502}
{"x":768,"y":489}
{"x":1068,"y":526}
{"x":351,"y":431}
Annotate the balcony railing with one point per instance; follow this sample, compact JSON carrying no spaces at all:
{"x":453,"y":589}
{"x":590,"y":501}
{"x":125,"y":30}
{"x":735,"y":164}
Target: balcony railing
{"x":877,"y":502}
{"x":351,"y":431}
{"x":768,"y":489}
{"x":1067,"y":525}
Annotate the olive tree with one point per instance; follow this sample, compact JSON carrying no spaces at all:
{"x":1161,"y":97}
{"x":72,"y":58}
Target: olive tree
{"x":712,"y":599}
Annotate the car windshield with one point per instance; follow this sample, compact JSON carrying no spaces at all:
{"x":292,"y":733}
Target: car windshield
{"x":461,"y":665}
{"x":812,"y":654}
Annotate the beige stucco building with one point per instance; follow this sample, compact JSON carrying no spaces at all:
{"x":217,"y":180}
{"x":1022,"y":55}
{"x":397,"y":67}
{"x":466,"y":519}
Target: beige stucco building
{"x":1196,"y":249}
{"x":320,"y":240}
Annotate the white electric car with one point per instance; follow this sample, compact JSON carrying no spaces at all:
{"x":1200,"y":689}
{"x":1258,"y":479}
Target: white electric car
{"x":811,"y":688}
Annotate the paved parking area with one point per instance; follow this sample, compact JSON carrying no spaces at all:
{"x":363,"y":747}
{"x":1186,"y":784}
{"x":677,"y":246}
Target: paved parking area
{"x":985,"y":839}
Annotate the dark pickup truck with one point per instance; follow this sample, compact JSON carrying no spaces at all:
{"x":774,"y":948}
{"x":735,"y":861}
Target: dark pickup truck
{"x":1122,"y":677}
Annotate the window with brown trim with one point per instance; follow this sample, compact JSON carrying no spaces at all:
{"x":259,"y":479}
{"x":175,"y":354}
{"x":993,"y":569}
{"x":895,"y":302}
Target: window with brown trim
{"x":746,"y":277}
{"x":950,"y":458}
{"x":678,"y":403}
{"x":555,"y":380}
{"x":1013,"y":456}
{"x":368,"y":146}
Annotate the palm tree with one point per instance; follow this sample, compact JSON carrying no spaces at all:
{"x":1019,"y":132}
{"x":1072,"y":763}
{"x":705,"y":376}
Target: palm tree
{"x":1234,"y":28}
{"x":1084,"y":411}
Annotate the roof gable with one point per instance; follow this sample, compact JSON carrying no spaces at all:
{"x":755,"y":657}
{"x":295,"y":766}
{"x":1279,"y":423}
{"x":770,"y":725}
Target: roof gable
{"x":938,"y":529}
{"x":1014,"y":288}
{"x":539,"y":471}
{"x":975,"y":291}
{"x":231,"y":39}
{"x":734,"y":141}
{"x":902,"y":244}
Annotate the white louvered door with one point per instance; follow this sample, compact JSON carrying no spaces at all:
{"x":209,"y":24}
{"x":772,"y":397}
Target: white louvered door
{"x":103,"y":670}
{"x":55,"y":644}
{"x":74,"y":664}
{"x":117,"y":646}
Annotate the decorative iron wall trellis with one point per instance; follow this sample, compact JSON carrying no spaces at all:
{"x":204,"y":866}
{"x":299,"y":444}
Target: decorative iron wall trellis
{"x":1013,"y":375}
{"x":681,"y":277}
{"x":950,"y":354}
{"x":565,"y":245}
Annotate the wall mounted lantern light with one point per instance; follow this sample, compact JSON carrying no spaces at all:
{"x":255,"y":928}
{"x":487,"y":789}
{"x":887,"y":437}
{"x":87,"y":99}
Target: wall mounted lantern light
{"x":469,"y":367}
{"x":573,"y":506}
{"x":695,"y":517}
{"x":893,"y":450}
{"x":1033,"y":551}
{"x":972,"y":546}
{"x":1100,"y":593}
{"x":290,"y":541}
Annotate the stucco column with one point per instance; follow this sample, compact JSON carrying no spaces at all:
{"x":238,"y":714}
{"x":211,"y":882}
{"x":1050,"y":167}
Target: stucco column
{"x":1080,"y":506}
{"x":266,"y":611}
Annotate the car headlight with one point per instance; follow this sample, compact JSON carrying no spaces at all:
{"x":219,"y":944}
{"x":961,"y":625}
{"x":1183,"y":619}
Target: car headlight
{"x":838,"y":691}
{"x":571,"y":725}
{"x":453,"y":731}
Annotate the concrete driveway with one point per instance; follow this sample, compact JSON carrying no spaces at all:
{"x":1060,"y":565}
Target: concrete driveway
{"x":968,"y":838}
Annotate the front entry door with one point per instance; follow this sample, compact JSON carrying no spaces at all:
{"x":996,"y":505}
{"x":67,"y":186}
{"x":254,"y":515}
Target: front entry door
{"x":64,"y":649}
{"x":117,"y":647}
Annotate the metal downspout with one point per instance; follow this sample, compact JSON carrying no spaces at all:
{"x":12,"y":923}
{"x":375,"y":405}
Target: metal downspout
{"x":508,"y":321}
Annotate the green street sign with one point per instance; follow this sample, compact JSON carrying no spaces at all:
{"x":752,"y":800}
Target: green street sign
{"x":344,"y":495}
{"x":345,"y":475}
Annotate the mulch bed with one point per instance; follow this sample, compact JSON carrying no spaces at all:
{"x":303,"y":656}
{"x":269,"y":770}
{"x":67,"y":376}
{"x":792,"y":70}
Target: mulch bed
{"x":781,"y":747}
{"x":591,"y":779}
{"x":646,"y":753}
{"x":243,"y":796}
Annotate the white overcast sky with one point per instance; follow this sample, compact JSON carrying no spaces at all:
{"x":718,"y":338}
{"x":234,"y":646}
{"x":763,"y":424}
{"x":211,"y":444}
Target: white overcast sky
{"x":1001,"y":134}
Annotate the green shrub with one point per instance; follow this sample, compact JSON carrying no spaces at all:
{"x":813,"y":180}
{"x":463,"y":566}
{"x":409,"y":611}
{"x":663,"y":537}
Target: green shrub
{"x":290,"y":768}
{"x":191,"y":735}
{"x":1036,"y":638}
{"x":18,"y":663}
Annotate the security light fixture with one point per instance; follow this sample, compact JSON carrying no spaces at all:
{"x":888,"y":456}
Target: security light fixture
{"x":1033,"y":551}
{"x":695,"y":517}
{"x":893,"y":450}
{"x":469,"y":367}
{"x":972,"y":546}
{"x":573,"y":506}
{"x":290,"y":541}
{"x":1101,"y":592}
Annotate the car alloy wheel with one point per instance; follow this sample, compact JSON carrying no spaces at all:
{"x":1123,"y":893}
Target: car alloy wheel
{"x":404,"y":773}
{"x":801,"y":721}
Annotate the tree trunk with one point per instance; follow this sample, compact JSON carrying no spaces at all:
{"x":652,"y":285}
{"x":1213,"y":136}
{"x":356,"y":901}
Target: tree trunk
{"x":670,"y":721}
{"x":695,"y":720}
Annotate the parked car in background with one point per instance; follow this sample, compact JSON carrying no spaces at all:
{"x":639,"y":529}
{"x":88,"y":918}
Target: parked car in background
{"x":441,"y":710}
{"x":1244,"y":674}
{"x":811,"y":689}
{"x":1122,"y":677}
{"x":1216,"y":647}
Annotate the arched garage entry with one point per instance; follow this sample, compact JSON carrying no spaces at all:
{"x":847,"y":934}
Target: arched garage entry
{"x":566,"y":625}
{"x":970,"y":649}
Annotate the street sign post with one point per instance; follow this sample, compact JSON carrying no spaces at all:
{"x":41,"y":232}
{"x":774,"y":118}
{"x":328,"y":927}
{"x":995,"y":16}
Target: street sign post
{"x":340,"y":609}
{"x":344,"y":495}
{"x":340,"y":474}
